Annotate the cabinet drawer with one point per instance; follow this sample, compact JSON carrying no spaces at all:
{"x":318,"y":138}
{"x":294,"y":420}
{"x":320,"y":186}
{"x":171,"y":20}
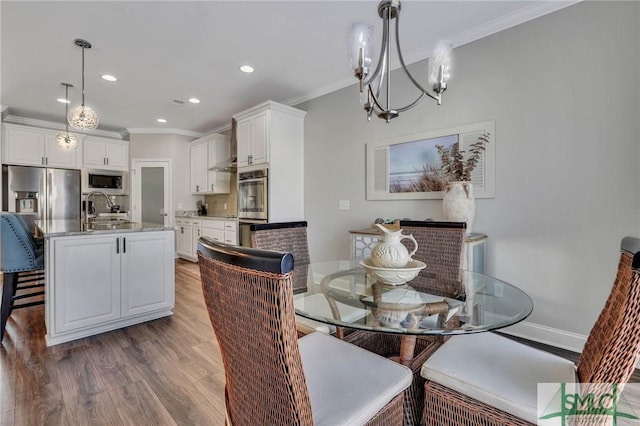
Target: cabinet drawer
{"x":230,"y":226}
{"x":196,"y":222}
{"x":213,"y":224}
{"x":183,"y":222}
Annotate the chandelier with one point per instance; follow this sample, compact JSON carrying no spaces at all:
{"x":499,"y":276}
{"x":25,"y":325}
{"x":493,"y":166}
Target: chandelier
{"x":371,"y":84}
{"x":67,"y":140}
{"x":82,"y":117}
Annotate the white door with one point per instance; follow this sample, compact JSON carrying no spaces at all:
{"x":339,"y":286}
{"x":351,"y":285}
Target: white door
{"x":151,"y":188}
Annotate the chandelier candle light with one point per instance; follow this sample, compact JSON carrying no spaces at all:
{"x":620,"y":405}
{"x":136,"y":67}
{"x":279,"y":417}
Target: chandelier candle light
{"x":67,"y":140}
{"x":361,"y":61}
{"x":82,"y":117}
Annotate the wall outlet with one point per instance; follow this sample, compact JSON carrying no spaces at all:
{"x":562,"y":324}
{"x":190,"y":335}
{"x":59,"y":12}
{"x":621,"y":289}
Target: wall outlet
{"x":343,"y":205}
{"x":225,"y":206}
{"x":179,"y":206}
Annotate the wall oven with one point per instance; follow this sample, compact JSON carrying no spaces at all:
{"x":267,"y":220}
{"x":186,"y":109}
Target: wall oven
{"x":253,"y":191}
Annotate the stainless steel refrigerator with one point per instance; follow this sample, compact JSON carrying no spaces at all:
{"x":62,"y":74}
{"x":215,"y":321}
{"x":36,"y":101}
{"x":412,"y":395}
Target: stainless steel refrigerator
{"x":41,"y":193}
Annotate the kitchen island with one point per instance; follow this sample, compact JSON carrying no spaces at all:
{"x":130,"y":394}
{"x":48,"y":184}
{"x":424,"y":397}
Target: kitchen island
{"x":109,"y":276}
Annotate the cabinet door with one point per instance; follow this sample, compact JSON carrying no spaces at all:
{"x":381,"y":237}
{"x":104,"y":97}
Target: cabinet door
{"x":218,"y":182}
{"x":24,"y":146}
{"x":56,"y":156}
{"x":199,"y":158}
{"x":244,"y":135}
{"x":86,"y":282}
{"x":260,"y":146}
{"x":219,"y":150}
{"x":147,"y":272}
{"x":230,"y":232}
{"x":94,"y":153}
{"x":184,"y":241}
{"x":117,"y":154}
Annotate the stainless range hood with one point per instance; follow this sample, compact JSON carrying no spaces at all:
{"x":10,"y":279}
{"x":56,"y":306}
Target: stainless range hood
{"x":230,"y":165}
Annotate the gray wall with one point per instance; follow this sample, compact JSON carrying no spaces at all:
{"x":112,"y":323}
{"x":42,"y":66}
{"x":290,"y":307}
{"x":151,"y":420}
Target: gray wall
{"x":563,"y":91}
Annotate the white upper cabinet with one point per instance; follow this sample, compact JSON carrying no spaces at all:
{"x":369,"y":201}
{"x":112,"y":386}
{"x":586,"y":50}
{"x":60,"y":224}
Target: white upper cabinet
{"x":102,"y":153}
{"x":253,"y":139}
{"x":206,"y":154}
{"x":31,"y":146}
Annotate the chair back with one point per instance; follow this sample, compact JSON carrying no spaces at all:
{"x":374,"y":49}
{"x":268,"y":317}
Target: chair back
{"x":441,"y":247}
{"x":249,"y":297}
{"x":612,"y":348}
{"x":288,"y":237}
{"x":19,"y":251}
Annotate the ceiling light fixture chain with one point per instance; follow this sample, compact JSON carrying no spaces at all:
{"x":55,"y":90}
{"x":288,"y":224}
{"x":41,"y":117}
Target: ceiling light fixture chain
{"x":371,"y":84}
{"x":82,"y":117}
{"x":67,"y":140}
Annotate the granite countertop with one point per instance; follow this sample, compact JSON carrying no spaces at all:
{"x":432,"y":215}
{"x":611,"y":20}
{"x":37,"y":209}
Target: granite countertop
{"x":63,"y":228}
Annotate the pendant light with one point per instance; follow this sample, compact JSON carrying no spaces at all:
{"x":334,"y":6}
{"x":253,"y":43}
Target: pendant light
{"x":67,"y":140}
{"x":375,"y":86}
{"x":82,"y":117}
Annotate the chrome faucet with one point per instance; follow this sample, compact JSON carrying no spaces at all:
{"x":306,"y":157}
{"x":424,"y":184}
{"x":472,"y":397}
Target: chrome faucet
{"x":86,"y":205}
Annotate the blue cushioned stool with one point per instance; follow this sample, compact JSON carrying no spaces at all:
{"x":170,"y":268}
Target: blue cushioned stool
{"x":22,"y":264}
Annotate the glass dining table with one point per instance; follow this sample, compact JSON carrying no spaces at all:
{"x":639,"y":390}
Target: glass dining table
{"x":342,"y":294}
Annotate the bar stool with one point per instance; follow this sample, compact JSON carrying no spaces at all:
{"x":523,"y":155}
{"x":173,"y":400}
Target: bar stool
{"x":22,"y":264}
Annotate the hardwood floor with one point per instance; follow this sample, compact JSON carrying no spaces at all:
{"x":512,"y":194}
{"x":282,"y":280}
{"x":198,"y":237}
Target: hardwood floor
{"x":164,"y":372}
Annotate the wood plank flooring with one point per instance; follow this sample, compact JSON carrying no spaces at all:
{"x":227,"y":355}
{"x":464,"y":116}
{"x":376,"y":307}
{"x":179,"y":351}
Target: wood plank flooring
{"x":164,"y":372}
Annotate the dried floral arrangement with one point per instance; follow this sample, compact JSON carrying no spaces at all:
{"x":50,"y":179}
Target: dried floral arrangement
{"x":454,"y":164}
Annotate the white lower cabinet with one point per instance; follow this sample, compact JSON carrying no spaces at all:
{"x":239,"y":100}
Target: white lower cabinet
{"x":189,"y":230}
{"x":108,"y":281}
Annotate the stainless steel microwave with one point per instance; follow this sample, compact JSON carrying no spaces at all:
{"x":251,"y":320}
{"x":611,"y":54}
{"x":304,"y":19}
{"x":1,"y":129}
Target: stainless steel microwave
{"x":112,"y":182}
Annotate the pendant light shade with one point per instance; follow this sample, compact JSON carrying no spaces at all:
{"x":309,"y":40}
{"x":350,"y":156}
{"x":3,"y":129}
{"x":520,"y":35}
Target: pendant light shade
{"x":67,"y":140}
{"x":82,"y":117}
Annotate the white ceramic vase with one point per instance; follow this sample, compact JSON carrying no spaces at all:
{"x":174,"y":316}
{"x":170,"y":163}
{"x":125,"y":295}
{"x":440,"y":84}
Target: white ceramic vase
{"x":458,"y":204}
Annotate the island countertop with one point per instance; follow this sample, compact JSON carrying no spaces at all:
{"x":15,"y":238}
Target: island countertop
{"x":62,"y":227}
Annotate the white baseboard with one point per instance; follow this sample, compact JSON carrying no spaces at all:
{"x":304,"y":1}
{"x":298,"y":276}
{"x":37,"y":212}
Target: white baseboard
{"x":549,"y":336}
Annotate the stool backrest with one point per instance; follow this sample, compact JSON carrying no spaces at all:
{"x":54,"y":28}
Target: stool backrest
{"x":18,"y":245}
{"x":249,"y":297}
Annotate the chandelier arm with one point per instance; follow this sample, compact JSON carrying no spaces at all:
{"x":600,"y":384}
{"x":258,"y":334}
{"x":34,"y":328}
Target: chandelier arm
{"x":404,"y":66}
{"x":383,"y":51}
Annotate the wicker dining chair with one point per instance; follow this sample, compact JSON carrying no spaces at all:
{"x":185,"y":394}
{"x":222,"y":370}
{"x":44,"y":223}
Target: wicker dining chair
{"x":274,"y":378}
{"x":487,"y":379}
{"x":441,"y":247}
{"x":290,"y":237}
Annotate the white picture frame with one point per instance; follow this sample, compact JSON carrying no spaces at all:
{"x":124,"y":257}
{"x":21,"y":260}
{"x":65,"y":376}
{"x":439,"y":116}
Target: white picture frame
{"x":397,"y":168}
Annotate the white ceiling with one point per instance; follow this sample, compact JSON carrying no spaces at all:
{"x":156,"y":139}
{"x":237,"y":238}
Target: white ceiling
{"x":162,"y":51}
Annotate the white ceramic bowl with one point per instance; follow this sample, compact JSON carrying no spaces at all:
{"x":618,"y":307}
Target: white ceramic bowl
{"x":394,"y":276}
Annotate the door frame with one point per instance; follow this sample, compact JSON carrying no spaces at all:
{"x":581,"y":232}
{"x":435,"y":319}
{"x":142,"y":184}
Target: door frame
{"x":136,"y":194}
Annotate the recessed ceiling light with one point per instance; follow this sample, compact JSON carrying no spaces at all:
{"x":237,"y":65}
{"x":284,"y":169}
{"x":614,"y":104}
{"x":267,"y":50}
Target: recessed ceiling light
{"x":108,"y":77}
{"x":194,"y":100}
{"x":161,"y":120}
{"x":246,"y":68}
{"x":63,"y":101}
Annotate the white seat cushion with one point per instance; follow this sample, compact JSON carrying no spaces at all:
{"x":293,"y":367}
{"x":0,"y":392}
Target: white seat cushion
{"x":347,"y":384}
{"x":497,"y":371}
{"x":318,"y":303}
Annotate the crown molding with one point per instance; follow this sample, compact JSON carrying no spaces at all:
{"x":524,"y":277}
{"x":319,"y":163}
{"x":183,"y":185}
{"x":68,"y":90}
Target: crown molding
{"x":14,"y":119}
{"x":151,"y":130}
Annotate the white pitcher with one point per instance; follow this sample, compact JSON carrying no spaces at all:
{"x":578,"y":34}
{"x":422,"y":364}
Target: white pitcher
{"x":390,"y":252}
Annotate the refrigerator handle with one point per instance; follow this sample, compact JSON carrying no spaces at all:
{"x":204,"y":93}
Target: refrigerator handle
{"x":49,"y":186}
